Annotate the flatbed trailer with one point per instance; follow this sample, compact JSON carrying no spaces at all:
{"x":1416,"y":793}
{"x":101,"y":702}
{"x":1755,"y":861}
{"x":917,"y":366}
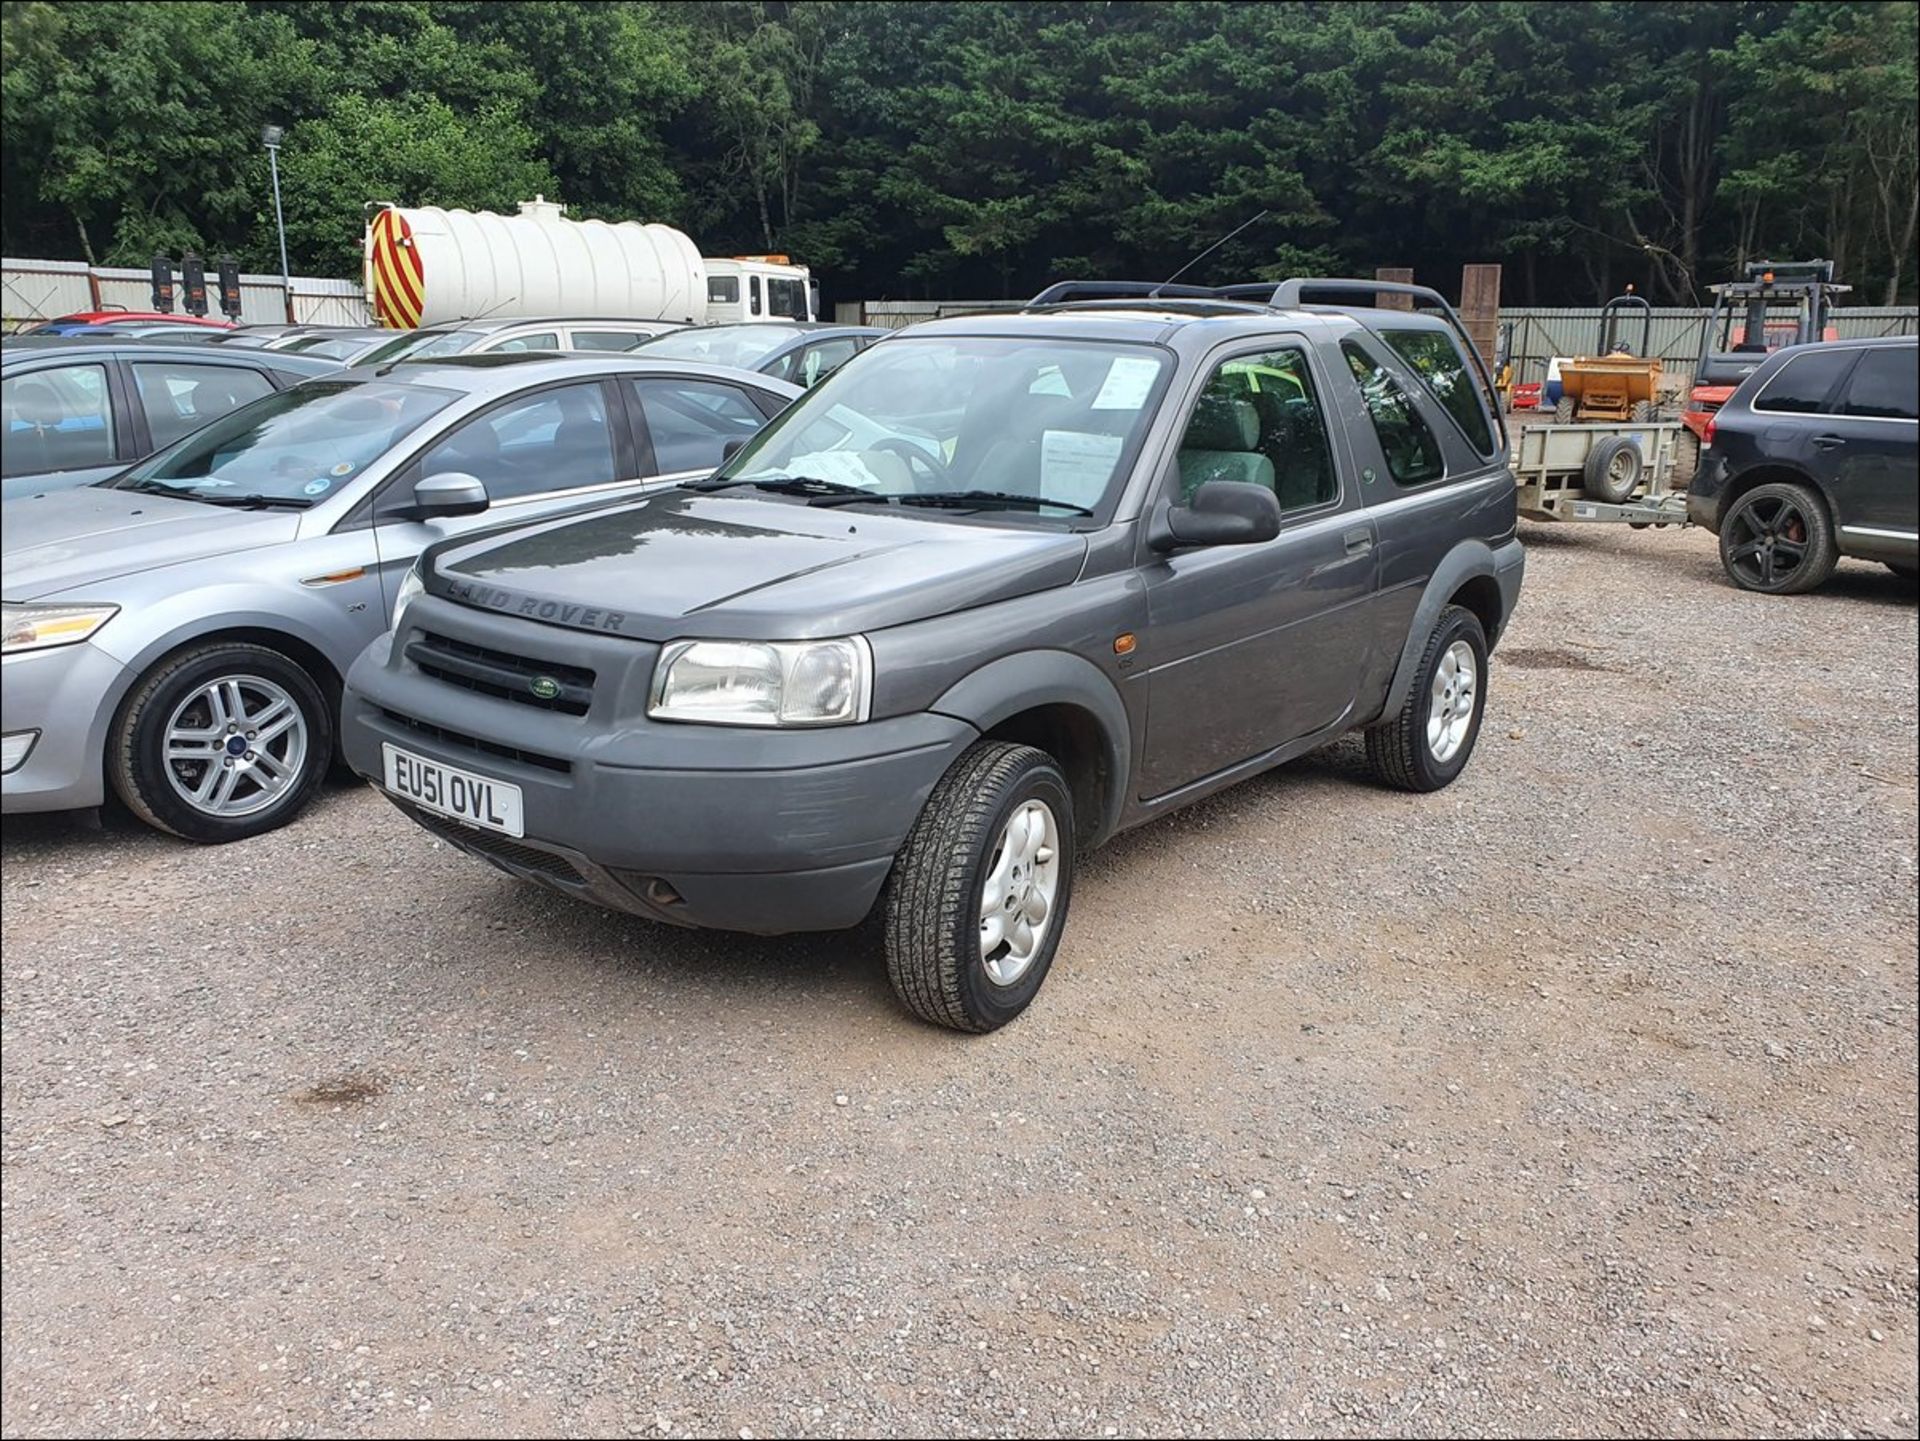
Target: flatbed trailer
{"x":1550,"y":467}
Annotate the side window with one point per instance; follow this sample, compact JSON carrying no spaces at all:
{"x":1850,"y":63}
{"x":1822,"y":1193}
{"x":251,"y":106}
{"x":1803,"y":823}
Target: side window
{"x":56,"y":419}
{"x":691,"y":421}
{"x":723,"y":289}
{"x":1413,"y":455}
{"x":1437,"y":361}
{"x":179,"y":399}
{"x":606,"y":339}
{"x":753,"y":294}
{"x":1258,"y":422}
{"x":556,"y":440}
{"x":821,"y":358}
{"x":1885,"y":385}
{"x":540,"y":340}
{"x":1802,"y":385}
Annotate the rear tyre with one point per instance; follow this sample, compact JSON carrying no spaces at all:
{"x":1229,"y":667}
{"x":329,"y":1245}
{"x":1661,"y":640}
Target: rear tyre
{"x":1431,"y":739}
{"x":978,"y":897}
{"x":1777,"y":540}
{"x":1613,"y":469}
{"x":221,"y":742}
{"x":1643,"y":411}
{"x":1563,"y":410}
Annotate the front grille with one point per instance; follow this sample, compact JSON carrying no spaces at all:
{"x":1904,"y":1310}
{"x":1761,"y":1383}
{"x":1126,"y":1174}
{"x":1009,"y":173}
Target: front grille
{"x":568,"y":688}
{"x":502,"y":848}
{"x":492,"y":748}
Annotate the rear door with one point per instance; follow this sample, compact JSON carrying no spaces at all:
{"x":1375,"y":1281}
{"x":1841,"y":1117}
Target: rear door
{"x":1872,"y":439}
{"x":176,"y":398}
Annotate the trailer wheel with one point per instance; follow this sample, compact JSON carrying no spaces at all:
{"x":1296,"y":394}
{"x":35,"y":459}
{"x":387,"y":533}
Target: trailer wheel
{"x":1686,"y":459}
{"x":1563,"y":410}
{"x":1612,"y":472}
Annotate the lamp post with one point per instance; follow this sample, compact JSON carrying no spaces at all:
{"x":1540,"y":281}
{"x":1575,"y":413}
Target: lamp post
{"x":270,"y":137}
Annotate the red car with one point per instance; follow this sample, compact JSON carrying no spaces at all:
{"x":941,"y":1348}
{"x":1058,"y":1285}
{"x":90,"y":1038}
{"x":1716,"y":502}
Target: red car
{"x":82,"y":321}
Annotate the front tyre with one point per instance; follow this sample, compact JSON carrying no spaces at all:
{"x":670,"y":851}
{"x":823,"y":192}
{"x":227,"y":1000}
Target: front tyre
{"x":978,"y":898}
{"x":221,"y":742}
{"x":1431,"y":739}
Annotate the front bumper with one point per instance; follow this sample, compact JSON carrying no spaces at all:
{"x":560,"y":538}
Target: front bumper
{"x":767,"y":831}
{"x":68,"y":694}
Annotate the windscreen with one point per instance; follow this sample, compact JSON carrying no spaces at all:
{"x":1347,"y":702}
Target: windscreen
{"x":295,"y":447}
{"x":1056,"y":423}
{"x":744,"y":346}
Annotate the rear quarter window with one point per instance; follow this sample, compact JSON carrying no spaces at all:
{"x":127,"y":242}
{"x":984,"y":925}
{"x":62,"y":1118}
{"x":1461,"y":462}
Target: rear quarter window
{"x":1444,"y":371}
{"x":1801,"y":386}
{"x":1885,"y":385}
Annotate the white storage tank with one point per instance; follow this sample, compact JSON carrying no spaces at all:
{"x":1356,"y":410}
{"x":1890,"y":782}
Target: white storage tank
{"x":428,"y":266}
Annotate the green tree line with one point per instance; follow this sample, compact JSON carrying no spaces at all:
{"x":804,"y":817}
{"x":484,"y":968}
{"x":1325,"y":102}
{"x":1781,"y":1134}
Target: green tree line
{"x":984,"y":148}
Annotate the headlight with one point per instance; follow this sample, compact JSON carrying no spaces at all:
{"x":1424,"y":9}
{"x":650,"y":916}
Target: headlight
{"x":761,"y":683}
{"x":40,"y":627}
{"x":409,"y":588}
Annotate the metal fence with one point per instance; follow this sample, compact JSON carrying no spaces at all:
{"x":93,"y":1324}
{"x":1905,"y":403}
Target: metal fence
{"x":1539,"y":334}
{"x":36,"y":290}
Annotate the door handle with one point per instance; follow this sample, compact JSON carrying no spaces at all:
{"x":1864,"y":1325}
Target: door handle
{"x":1828,"y":442}
{"x":1359,"y":542}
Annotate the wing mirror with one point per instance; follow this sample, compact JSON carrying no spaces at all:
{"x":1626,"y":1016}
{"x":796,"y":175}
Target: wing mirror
{"x":452,"y":492}
{"x":1222,"y":512}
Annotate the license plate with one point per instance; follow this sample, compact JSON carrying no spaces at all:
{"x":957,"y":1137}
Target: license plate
{"x":478,"y":800}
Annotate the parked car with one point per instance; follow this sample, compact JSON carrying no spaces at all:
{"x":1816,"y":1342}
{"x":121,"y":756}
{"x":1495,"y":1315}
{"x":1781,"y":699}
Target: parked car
{"x":272,"y":333}
{"x":1158,"y":546}
{"x":1816,"y":456}
{"x":83,"y":321}
{"x":344,"y":345}
{"x":178,"y":633}
{"x":798,"y":351}
{"x":481,"y":337}
{"x":76,"y":410}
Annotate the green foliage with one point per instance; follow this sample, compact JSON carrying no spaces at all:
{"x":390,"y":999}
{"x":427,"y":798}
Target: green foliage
{"x":983,"y":148}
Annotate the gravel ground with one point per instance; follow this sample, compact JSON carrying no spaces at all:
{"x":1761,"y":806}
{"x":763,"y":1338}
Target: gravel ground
{"x":1577,"y":1098}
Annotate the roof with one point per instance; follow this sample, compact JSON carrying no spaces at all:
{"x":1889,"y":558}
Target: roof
{"x":128,"y":347}
{"x":487,"y":324}
{"x":511,"y":371}
{"x":101,"y":317}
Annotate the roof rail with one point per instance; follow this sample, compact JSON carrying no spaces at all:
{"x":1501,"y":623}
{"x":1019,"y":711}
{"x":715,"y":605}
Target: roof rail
{"x":1064,"y":291}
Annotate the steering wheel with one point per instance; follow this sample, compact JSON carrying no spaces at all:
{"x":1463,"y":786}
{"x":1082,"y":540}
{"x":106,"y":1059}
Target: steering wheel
{"x":936,"y":467}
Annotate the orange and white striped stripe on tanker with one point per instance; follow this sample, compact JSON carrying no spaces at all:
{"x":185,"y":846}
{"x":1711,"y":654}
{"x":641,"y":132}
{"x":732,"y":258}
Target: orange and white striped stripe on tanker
{"x":395,"y":277}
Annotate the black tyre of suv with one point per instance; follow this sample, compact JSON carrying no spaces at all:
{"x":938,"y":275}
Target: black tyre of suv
{"x":1777,"y":539}
{"x":992,"y":850}
{"x":244,"y":728}
{"x":1430,"y":740}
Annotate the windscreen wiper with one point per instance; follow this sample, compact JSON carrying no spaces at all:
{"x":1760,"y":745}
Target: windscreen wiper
{"x":958,"y":500}
{"x":255,"y":501}
{"x":805,"y":485}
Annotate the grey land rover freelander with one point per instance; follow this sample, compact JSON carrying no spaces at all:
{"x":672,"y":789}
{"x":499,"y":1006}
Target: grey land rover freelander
{"x":996,"y":590}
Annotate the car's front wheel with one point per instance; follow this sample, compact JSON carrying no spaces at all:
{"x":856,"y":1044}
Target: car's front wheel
{"x":978,"y":897}
{"x":221,"y":742}
{"x":1777,"y":539}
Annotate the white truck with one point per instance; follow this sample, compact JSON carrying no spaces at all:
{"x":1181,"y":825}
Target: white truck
{"x":428,"y":266}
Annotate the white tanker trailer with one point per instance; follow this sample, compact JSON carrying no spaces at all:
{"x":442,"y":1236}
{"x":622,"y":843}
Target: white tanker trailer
{"x":428,"y":266}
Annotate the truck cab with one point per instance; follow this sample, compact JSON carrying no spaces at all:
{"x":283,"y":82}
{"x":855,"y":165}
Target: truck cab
{"x":749,"y":288}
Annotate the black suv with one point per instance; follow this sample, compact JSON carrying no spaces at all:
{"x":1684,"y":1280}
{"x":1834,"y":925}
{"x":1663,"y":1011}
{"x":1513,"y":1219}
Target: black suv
{"x":1816,"y":456}
{"x":997,"y":589}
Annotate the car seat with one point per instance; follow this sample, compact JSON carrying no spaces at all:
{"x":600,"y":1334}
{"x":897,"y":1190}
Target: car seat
{"x":1220,"y":445}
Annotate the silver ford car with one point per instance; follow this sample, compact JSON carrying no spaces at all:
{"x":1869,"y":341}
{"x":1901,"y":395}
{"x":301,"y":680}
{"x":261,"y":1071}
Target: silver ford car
{"x":178,"y":632}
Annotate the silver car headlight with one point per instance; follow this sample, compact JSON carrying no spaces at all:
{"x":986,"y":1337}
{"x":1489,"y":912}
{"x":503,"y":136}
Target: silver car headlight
{"x":764,"y":683}
{"x":409,"y":588}
{"x":41,"y":627}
